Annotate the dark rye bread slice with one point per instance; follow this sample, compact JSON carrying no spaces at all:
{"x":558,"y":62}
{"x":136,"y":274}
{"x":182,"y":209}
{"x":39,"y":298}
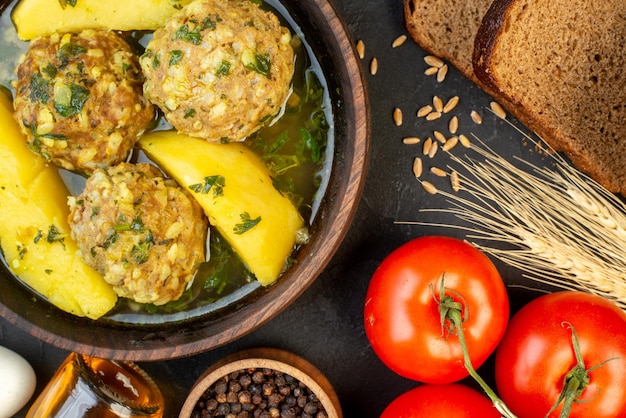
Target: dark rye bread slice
{"x":559,"y":66}
{"x":446,"y":29}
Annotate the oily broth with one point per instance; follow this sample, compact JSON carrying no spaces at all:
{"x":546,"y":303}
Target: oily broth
{"x":306,"y":183}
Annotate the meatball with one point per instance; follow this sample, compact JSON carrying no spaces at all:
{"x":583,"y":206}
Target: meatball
{"x":219,"y":69}
{"x":79,"y":99}
{"x":143,"y":232}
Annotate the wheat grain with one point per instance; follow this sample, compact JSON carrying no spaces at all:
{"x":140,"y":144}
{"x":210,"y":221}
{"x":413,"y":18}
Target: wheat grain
{"x":360,"y":49}
{"x":397,"y":116}
{"x":410,"y":140}
{"x":429,"y":187}
{"x":417,"y":167}
{"x":451,"y":104}
{"x":433,"y":61}
{"x":476,"y":118}
{"x":374,"y":66}
{"x":431,"y":71}
{"x":497,"y":110}
{"x":400,"y":40}
{"x":453,"y":125}
{"x":424,"y":111}
{"x":439,"y":137}
{"x":441,"y":73}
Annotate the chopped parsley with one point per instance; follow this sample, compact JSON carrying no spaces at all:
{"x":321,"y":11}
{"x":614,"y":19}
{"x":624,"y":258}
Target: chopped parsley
{"x":54,"y":235}
{"x":207,"y":23}
{"x":39,"y":89}
{"x":175,"y":56}
{"x":223,"y":69}
{"x":246,"y":224}
{"x":183,"y":33}
{"x":141,"y":251}
{"x":190,"y":113}
{"x":261,"y":63}
{"x":21,"y":251}
{"x":216,"y":183}
{"x":68,"y":52}
{"x":70,"y":99}
{"x":50,"y":70}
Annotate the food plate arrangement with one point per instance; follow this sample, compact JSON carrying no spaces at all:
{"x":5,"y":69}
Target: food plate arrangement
{"x":140,"y":326}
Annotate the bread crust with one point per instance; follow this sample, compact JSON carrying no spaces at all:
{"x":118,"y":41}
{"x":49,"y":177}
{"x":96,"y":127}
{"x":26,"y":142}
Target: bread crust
{"x":577,"y":149}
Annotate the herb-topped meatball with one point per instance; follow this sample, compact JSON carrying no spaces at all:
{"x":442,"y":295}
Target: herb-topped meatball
{"x":79,"y":99}
{"x":220,"y":69}
{"x":143,"y":232}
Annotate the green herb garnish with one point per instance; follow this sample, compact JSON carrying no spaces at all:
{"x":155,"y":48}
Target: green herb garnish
{"x":183,"y":33}
{"x":69,"y":51}
{"x":246,"y":224}
{"x":223,"y":69}
{"x":175,"y":56}
{"x":39,"y":89}
{"x":70,"y":99}
{"x":217,"y":183}
{"x":261,"y":63}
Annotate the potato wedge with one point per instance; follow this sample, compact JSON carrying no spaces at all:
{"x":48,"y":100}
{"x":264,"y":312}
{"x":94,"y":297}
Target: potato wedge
{"x":34,"y":233}
{"x":34,"y":18}
{"x":234,"y":188}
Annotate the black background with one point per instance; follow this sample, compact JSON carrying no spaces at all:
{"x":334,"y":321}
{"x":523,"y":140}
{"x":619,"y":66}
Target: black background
{"x":325,"y":324}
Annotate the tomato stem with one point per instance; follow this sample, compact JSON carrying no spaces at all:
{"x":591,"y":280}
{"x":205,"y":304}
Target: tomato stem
{"x":576,"y":380}
{"x":452,"y":319}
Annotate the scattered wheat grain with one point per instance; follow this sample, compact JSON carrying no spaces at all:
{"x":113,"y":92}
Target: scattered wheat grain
{"x":433,"y":116}
{"x":476,"y":118}
{"x":417,"y":167}
{"x":429,"y":187}
{"x":397,"y":116}
{"x":453,"y":125}
{"x":428,"y":144}
{"x":360,"y":49}
{"x":439,"y":136}
{"x":433,"y":150}
{"x":441,"y":73}
{"x":465,"y":141}
{"x":498,"y":110}
{"x":455,"y":182}
{"x":438,"y":104}
{"x":438,"y":172}
{"x":424,"y":111}
{"x":374,"y":66}
{"x":450,"y":143}
{"x":431,"y":71}
{"x":410,"y":140}
{"x":398,"y":41}
{"x":433,"y":61}
{"x":451,"y":104}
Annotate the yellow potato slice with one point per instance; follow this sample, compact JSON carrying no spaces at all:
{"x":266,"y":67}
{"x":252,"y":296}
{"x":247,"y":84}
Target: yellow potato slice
{"x":34,"y":232}
{"x":234,"y":188}
{"x":34,"y":18}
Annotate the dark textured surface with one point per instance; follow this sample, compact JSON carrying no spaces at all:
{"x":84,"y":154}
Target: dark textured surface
{"x":325,"y":324}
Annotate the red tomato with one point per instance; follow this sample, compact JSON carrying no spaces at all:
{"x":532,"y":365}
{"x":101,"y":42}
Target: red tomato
{"x":401,"y":315}
{"x":441,"y":401}
{"x":537,"y":352}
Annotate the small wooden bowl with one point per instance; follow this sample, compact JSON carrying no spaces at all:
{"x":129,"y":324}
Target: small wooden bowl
{"x":269,"y":358}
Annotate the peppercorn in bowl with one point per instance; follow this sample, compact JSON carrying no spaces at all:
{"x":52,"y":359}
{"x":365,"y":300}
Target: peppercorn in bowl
{"x":309,"y":155}
{"x":262,"y":382}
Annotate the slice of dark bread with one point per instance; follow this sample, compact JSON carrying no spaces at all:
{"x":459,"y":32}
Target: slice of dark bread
{"x":446,"y":29}
{"x":559,"y":67}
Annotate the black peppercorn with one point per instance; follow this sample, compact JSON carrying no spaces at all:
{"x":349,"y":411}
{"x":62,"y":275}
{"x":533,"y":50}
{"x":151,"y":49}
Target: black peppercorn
{"x":259,"y":393}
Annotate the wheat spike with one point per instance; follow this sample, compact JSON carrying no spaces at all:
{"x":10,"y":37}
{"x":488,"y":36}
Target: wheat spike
{"x":558,"y":226}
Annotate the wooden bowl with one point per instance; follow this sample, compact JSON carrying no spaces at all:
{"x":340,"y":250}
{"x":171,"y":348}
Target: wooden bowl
{"x":331,"y":44}
{"x":268,"y":358}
